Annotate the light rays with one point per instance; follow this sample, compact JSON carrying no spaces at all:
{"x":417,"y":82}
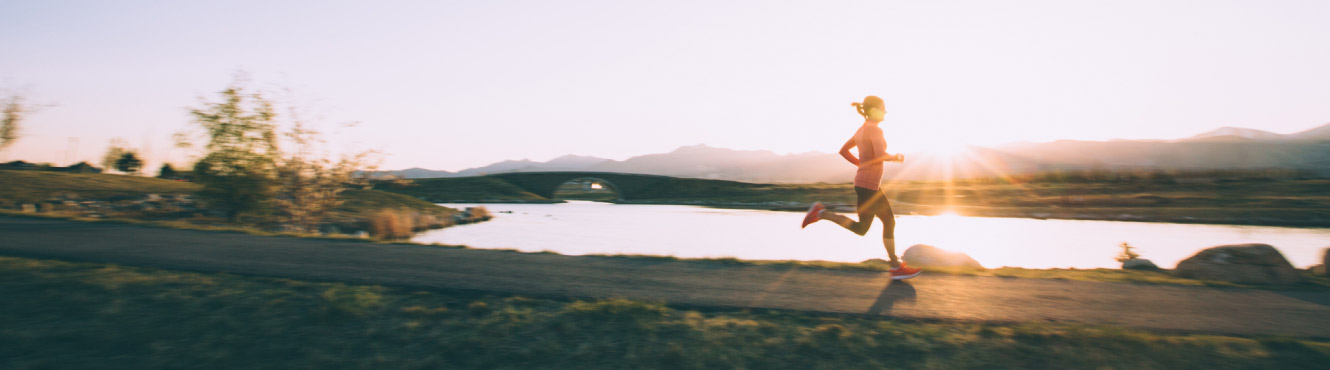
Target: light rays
{"x":949,"y":163}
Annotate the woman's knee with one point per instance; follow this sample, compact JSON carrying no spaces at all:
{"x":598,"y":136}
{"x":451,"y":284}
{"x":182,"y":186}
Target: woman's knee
{"x":861,"y":227}
{"x":889,"y":228}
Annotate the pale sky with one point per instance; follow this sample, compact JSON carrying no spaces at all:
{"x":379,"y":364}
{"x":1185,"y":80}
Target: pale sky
{"x":455,"y":84}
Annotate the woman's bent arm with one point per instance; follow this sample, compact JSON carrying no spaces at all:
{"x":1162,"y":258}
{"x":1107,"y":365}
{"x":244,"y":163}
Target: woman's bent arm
{"x":845,"y":151}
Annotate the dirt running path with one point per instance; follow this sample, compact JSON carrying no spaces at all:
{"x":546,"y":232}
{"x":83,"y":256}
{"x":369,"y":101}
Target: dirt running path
{"x":1188,"y":309}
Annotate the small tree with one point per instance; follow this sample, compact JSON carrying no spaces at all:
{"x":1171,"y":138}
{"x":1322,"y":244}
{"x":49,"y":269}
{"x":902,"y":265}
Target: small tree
{"x":166,"y":172}
{"x":12,"y":111}
{"x":239,"y":170}
{"x":114,"y":152}
{"x":1127,"y":253}
{"x":129,"y":163}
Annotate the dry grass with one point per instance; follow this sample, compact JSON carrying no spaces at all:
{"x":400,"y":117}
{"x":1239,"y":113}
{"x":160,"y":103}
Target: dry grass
{"x":36,"y":186}
{"x":477,"y":214}
{"x":83,"y":315}
{"x":391,"y":224}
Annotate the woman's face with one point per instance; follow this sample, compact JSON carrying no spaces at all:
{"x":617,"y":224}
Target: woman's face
{"x":876,"y":114}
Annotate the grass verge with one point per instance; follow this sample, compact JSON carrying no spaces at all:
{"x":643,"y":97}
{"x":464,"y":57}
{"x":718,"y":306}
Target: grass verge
{"x":82,"y":315}
{"x":461,"y":189}
{"x":211,"y":225}
{"x":36,"y":186}
{"x":1158,"y":277}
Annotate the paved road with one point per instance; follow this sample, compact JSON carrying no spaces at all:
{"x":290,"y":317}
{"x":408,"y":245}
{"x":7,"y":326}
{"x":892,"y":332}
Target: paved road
{"x":1186,"y":309}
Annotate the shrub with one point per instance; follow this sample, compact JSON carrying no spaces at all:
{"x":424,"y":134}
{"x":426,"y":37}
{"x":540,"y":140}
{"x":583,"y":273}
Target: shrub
{"x":391,"y":225}
{"x":477,"y":214}
{"x":1127,"y":253}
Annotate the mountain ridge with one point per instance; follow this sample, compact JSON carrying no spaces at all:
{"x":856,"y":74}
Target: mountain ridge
{"x":1223,"y":148}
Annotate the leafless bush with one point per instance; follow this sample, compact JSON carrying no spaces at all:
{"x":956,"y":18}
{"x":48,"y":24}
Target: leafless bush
{"x":477,"y":214}
{"x":1127,"y":253}
{"x":391,"y":225}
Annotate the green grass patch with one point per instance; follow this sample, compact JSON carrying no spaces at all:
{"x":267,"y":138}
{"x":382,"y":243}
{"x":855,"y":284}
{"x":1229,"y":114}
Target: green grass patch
{"x":361,"y":203}
{"x":1281,"y":202}
{"x":36,"y":186}
{"x":206,"y":224}
{"x":81,"y":315}
{"x":460,"y":189}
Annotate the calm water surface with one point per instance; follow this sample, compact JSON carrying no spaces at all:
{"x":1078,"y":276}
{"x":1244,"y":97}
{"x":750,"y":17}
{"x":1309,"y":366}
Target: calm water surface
{"x":577,"y":228}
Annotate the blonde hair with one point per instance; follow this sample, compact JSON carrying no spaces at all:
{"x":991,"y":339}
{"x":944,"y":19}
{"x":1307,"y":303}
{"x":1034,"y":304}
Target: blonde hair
{"x":868,"y":103}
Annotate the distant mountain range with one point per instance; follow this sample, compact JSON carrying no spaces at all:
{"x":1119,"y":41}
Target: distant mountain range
{"x":1247,"y":134}
{"x":1224,"y":148}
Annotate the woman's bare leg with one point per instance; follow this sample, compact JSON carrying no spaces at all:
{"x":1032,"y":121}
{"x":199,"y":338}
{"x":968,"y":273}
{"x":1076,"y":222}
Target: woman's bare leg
{"x":888,"y":218}
{"x":837,"y":218}
{"x":858,"y":227}
{"x":890,"y":244}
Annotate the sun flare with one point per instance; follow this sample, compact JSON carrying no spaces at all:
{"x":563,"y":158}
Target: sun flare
{"x":945,"y":149}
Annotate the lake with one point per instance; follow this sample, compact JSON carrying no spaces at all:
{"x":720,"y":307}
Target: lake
{"x":581,"y":227}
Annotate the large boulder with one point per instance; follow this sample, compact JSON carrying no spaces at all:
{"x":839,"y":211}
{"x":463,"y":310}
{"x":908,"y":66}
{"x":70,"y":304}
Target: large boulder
{"x":1325,"y":262}
{"x":1139,"y":264}
{"x":1241,"y":263}
{"x":927,"y":255}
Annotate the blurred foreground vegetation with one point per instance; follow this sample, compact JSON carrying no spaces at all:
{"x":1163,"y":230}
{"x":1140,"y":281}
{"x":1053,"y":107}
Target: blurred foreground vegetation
{"x":81,"y":315}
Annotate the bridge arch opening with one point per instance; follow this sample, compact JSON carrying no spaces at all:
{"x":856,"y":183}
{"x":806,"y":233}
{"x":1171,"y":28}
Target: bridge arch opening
{"x":588,"y":188}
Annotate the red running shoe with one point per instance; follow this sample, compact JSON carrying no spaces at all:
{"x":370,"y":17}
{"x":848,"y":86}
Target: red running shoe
{"x":904,"y":272}
{"x":813,"y":213}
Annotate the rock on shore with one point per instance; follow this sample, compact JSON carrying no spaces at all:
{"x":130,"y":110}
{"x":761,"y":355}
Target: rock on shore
{"x":1240,"y":263}
{"x":1139,"y":264}
{"x":1325,"y":261}
{"x":927,"y":255}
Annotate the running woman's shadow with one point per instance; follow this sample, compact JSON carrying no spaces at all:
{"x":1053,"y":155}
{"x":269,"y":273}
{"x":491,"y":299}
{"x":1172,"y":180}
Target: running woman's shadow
{"x":896,"y":291}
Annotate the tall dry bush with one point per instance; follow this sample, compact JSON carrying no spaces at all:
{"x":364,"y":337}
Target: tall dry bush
{"x":309,"y":184}
{"x":477,"y":214}
{"x":391,"y":224}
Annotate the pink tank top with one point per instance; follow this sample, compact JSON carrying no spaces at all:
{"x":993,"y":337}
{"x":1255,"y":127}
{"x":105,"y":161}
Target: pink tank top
{"x":871,"y":146}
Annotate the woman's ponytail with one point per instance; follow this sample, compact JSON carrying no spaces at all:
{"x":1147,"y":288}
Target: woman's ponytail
{"x":869,"y":103}
{"x":859,"y":107}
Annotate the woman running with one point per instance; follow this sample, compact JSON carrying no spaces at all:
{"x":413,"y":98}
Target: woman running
{"x":867,"y":185}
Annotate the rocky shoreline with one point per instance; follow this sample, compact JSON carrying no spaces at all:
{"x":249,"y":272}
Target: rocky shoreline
{"x":170,"y":207}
